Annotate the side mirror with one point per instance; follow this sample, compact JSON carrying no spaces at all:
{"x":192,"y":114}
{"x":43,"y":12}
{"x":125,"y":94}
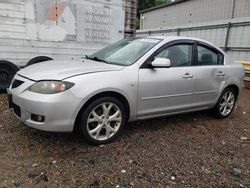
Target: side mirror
{"x":161,"y":63}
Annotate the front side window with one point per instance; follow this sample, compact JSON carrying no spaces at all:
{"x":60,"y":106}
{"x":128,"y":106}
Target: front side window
{"x":125,"y":54}
{"x":179,"y":55}
{"x":207,"y":56}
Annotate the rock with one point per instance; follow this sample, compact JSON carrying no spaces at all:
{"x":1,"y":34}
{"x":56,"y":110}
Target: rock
{"x":54,"y":162}
{"x":35,"y":165}
{"x":243,"y":138}
{"x":95,"y":184}
{"x":172,"y":178}
{"x":15,"y":183}
{"x":236,"y":172}
{"x":123,"y":171}
{"x":91,"y":161}
{"x":4,"y":184}
{"x":243,"y":112}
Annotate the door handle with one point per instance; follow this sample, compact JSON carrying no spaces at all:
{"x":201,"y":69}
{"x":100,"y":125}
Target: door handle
{"x":221,"y":74}
{"x":187,"y":76}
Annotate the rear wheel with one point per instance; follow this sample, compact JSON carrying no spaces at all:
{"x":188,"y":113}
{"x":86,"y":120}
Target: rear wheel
{"x":225,"y":104}
{"x":103,"y":120}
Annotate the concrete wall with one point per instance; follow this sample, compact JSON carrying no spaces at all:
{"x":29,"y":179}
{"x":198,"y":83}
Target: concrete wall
{"x":195,"y":11}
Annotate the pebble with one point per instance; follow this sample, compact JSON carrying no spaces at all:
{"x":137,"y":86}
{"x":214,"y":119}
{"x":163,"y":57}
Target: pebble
{"x":15,"y":183}
{"x":236,"y":172}
{"x":123,"y":171}
{"x":172,"y":178}
{"x":54,"y":162}
{"x":35,"y":165}
{"x":243,"y":138}
{"x":101,"y":146}
{"x":244,"y":112}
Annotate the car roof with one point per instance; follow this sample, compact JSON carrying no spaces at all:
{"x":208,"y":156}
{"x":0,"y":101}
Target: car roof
{"x":172,"y":38}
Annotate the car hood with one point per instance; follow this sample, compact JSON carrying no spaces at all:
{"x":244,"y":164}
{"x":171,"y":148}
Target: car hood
{"x":59,"y":70}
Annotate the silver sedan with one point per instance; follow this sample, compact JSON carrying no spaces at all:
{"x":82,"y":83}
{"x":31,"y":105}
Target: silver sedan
{"x":130,"y":80}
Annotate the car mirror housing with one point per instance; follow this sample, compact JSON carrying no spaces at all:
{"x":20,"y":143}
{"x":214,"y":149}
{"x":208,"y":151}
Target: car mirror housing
{"x":161,"y":63}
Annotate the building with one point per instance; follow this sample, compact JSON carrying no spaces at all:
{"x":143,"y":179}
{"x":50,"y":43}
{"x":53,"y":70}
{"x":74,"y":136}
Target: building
{"x":35,"y":31}
{"x":130,"y":7}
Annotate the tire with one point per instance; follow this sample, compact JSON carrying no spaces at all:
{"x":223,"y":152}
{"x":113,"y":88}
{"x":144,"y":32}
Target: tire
{"x":107,"y":125}
{"x":38,"y":60}
{"x":218,"y":110}
{"x":7,"y":72}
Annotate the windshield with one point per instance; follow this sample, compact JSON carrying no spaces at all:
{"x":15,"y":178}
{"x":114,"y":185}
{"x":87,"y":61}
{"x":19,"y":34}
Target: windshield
{"x":124,"y":52}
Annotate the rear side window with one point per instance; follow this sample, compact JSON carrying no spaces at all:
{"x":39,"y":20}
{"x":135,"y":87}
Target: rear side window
{"x":207,"y":56}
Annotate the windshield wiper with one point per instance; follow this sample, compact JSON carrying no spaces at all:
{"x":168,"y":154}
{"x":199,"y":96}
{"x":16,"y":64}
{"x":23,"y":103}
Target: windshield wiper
{"x":96,"y":59}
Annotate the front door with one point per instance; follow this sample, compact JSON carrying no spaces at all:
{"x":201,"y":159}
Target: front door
{"x":167,"y":90}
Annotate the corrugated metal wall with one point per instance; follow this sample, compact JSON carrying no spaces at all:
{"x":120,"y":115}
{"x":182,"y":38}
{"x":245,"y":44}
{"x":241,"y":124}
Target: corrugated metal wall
{"x":206,"y":19}
{"x":194,"y":11}
{"x":233,"y":37}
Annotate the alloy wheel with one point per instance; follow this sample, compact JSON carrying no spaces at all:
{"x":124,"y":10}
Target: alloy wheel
{"x":104,"y":121}
{"x":227,"y":103}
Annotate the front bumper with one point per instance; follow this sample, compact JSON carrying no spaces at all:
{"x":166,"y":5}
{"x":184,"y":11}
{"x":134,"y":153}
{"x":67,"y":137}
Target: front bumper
{"x":60,"y":110}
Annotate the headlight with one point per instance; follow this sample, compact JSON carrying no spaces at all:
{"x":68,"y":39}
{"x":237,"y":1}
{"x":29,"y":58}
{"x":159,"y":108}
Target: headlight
{"x":50,"y":87}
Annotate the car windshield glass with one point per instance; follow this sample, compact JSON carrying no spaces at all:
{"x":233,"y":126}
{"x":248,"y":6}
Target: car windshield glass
{"x":124,"y":52}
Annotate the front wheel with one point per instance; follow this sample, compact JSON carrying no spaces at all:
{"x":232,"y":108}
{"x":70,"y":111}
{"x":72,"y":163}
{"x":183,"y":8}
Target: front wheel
{"x":103,"y":120}
{"x":225,"y":104}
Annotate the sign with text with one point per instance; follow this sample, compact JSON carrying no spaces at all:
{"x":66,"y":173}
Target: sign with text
{"x":96,"y":22}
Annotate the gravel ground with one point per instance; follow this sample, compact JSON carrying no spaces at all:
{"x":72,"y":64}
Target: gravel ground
{"x":191,"y":150}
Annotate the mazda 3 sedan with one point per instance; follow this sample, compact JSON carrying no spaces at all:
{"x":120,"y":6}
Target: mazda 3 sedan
{"x":127,"y":81}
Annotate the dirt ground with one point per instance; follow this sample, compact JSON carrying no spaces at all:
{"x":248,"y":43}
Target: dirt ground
{"x":191,"y":150}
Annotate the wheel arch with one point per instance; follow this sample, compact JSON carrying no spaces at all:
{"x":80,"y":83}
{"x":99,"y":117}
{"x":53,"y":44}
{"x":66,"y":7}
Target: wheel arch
{"x":235,"y":88}
{"x":114,"y":94}
{"x":38,"y":59}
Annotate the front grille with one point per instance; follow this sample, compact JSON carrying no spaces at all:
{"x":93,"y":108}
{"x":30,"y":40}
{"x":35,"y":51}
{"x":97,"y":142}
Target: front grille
{"x":17,"y":110}
{"x":16,"y":84}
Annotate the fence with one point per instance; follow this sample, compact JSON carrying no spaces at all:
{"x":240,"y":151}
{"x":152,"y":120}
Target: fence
{"x":233,"y":36}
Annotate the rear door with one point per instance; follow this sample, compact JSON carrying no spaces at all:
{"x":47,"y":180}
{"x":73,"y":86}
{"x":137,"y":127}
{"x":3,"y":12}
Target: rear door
{"x":210,"y":74}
